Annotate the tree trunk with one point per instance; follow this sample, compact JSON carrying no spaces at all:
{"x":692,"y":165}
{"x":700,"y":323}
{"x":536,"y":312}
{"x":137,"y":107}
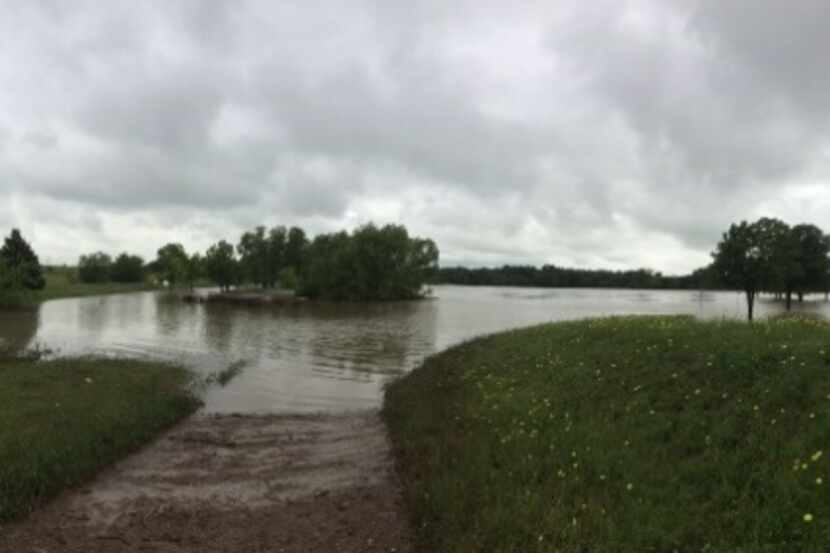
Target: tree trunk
{"x":750,"y":304}
{"x":789,"y":299}
{"x":800,"y":297}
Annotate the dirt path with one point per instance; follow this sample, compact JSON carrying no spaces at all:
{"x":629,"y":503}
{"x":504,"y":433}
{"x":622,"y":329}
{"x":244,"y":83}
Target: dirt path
{"x":241,"y":484}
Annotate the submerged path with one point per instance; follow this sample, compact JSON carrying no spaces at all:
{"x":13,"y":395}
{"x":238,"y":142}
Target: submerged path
{"x":235,"y":483}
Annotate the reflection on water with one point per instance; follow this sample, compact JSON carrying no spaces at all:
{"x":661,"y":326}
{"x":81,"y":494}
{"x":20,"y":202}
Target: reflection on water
{"x":312,"y":357}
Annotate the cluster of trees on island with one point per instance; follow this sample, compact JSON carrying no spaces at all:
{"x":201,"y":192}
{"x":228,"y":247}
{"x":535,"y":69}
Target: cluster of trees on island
{"x":370,"y":263}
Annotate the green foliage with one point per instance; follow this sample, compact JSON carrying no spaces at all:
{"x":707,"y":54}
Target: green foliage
{"x":220,"y":265}
{"x":95,"y":268}
{"x":194,"y":270}
{"x":127,"y":269}
{"x":370,"y":264}
{"x":812,"y":249}
{"x":12,"y":291}
{"x":620,"y":435}
{"x":295,"y":249}
{"x":172,"y":263}
{"x":262,"y":255}
{"x":769,"y":255}
{"x":289,"y":278}
{"x":19,"y":256}
{"x":63,"y":421}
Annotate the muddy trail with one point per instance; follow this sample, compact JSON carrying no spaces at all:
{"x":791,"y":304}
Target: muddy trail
{"x":235,"y":483}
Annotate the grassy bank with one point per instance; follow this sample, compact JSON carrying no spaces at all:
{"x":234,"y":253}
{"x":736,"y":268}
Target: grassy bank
{"x":62,"y":421}
{"x":61,"y":283}
{"x":621,"y":434}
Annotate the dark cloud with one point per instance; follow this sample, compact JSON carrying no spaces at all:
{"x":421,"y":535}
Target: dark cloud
{"x":601,"y":133}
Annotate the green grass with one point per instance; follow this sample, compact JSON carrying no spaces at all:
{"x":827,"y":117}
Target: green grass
{"x":61,"y":283}
{"x":621,"y":434}
{"x":62,"y":421}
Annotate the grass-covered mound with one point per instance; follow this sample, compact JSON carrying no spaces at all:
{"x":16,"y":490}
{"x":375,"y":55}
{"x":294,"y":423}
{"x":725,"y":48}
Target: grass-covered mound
{"x":62,"y":421}
{"x":621,"y":434}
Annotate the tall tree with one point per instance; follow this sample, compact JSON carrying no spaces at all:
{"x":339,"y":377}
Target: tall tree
{"x":813,"y":247}
{"x":19,"y":256}
{"x":253,"y":256}
{"x":194,"y":270}
{"x":277,"y":237}
{"x":295,"y":249}
{"x":779,"y":253}
{"x":172,"y":263}
{"x":220,"y":265}
{"x":739,"y":263}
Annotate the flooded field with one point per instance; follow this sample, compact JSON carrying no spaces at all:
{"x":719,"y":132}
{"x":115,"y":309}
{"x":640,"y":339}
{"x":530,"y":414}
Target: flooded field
{"x":326,"y":357}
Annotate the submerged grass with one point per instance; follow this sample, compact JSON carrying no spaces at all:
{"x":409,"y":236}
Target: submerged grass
{"x":621,"y":434}
{"x":224,"y":377}
{"x":62,"y":421}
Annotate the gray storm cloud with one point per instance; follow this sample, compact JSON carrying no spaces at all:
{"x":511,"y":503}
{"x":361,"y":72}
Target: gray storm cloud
{"x":617,"y":134}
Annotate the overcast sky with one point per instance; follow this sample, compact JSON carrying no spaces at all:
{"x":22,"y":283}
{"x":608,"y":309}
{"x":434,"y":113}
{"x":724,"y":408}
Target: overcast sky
{"x":592,"y":134}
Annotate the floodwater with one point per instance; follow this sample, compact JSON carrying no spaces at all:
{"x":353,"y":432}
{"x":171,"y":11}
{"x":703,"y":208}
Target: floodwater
{"x":320,"y":357}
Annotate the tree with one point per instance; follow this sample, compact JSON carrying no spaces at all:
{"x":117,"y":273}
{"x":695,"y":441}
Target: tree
{"x":127,"y":268}
{"x":813,"y":247}
{"x":194,"y":269}
{"x":172,"y":263}
{"x":779,"y":254}
{"x":18,"y":256}
{"x":94,"y":268}
{"x":739,"y":263}
{"x":220,"y":265}
{"x":276,"y":254}
{"x":253,"y":256}
{"x":295,"y":249}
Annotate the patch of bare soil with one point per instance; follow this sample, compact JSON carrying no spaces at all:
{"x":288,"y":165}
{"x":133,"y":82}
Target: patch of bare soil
{"x":235,"y":483}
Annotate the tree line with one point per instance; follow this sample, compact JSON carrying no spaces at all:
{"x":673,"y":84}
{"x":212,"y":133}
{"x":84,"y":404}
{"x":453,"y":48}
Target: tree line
{"x":370,"y":263}
{"x":551,"y":276}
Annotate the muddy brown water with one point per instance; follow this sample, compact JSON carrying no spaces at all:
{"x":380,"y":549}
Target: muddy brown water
{"x":326,"y":357}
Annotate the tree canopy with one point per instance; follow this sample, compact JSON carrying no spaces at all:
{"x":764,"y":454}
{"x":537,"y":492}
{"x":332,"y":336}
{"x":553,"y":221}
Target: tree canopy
{"x":19,"y":257}
{"x":95,"y":268}
{"x":221,"y":265}
{"x":127,"y":268}
{"x":371,"y":263}
{"x":770,"y":256}
{"x":173,"y":263}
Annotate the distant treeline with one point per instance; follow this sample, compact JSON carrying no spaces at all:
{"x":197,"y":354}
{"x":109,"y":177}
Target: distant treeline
{"x":551,"y":276}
